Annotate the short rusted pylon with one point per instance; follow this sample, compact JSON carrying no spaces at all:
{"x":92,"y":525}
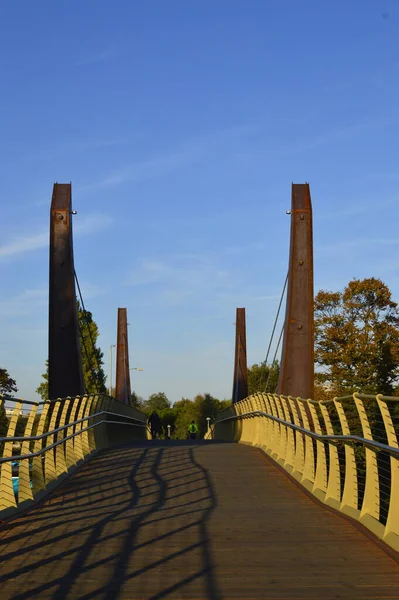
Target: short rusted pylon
{"x":65,"y":374}
{"x":297,"y":360}
{"x":240,"y":381}
{"x":122,"y":392}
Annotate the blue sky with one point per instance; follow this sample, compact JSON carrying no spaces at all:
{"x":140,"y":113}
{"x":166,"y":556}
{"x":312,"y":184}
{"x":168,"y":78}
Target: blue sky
{"x":181,"y":125}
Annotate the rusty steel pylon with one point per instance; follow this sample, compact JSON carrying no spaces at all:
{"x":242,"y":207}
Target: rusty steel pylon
{"x":122,"y":391}
{"x":297,"y":360}
{"x":65,"y":374}
{"x":240,"y":381}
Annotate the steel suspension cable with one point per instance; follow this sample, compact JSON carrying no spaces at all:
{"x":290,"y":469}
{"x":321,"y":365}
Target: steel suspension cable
{"x":274,"y":357}
{"x":93,"y":373}
{"x":276,"y":319}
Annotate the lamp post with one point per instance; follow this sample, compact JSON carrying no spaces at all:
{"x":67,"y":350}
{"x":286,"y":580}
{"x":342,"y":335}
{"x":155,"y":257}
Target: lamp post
{"x":110,"y":375}
{"x":207,"y":423}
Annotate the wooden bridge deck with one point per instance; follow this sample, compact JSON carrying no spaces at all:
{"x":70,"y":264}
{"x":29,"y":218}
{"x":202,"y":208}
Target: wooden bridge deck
{"x":189,"y":520}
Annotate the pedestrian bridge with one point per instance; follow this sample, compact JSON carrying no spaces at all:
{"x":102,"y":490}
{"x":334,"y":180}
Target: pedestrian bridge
{"x":287,"y":498}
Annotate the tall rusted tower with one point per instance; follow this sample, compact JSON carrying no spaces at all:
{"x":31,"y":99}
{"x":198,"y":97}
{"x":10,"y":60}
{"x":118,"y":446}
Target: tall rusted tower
{"x":297,"y":360}
{"x":240,"y":381}
{"x":64,"y":353}
{"x":123,"y":391}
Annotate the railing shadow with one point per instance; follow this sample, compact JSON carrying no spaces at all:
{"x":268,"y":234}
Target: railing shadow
{"x":118,"y":539}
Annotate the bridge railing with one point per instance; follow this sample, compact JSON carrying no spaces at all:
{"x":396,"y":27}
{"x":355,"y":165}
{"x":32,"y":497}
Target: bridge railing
{"x":54,"y":437}
{"x":344,"y":451}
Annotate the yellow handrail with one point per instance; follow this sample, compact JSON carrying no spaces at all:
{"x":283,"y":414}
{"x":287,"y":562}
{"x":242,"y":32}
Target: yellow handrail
{"x":345,"y":451}
{"x":57,"y":437}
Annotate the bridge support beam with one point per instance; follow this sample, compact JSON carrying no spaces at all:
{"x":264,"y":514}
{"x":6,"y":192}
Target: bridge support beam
{"x":65,"y":374}
{"x":297,"y":360}
{"x":240,"y":381}
{"x":123,"y":391}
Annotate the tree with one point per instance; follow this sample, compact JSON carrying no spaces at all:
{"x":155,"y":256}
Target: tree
{"x":42,"y":389}
{"x":7,"y":384}
{"x":168,"y":417}
{"x":186,"y":411}
{"x":258,"y":377}
{"x":357,"y":338}
{"x":92,"y":357}
{"x":3,"y":421}
{"x":156,"y":402}
{"x":135,"y":400}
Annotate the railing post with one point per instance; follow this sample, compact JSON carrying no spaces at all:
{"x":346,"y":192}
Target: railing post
{"x":7,"y":497}
{"x":391,"y":534}
{"x":350,"y":495}
{"x":370,"y":511}
{"x":320,"y":480}
{"x":333,"y":492}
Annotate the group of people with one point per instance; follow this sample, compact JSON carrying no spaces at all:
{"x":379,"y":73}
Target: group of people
{"x":154,"y":421}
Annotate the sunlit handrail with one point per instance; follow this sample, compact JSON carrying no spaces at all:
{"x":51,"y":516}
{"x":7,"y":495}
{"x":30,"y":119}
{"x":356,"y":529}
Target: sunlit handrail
{"x":316,"y":436}
{"x":44,"y":435}
{"x":67,"y":432}
{"x":345,"y":451}
{"x":68,"y":437}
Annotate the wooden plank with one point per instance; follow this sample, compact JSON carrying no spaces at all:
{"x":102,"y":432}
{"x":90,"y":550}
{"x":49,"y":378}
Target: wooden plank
{"x":188,"y":520}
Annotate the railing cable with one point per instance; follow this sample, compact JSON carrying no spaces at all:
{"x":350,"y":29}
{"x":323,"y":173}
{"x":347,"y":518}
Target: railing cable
{"x":274,"y":358}
{"x":93,"y":372}
{"x":276,"y":319}
{"x":272,"y":335}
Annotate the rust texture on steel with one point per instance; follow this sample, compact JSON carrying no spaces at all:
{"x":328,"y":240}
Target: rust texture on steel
{"x":64,"y":352}
{"x":240,"y":381}
{"x":122,"y":392}
{"x":297,"y":360}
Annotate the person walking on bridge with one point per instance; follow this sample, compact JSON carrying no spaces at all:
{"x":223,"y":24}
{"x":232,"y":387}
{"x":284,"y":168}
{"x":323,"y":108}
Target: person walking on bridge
{"x":193,"y":430}
{"x":155,"y":424}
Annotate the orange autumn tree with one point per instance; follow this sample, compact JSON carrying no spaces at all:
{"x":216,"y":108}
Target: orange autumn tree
{"x":357,"y":339}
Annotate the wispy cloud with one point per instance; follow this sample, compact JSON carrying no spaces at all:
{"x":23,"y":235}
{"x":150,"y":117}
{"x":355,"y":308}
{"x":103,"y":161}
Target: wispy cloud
{"x":96,"y":57}
{"x":343,"y":247}
{"x":158,"y":166}
{"x":22,"y":244}
{"x":24,"y":303}
{"x":141,"y":170}
{"x":90,"y":290}
{"x":340,"y":134}
{"x":176,"y":280}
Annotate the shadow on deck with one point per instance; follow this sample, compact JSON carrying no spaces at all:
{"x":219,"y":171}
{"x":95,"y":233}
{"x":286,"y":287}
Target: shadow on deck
{"x":187,"y":519}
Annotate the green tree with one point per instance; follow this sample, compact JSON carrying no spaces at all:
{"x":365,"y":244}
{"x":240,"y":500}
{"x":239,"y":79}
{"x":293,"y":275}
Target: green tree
{"x":186,"y":411}
{"x":357,"y":338}
{"x":203,"y":406}
{"x":258,"y":377}
{"x":3,"y":422}
{"x":7,"y":384}
{"x":156,"y":402}
{"x":135,"y":400}
{"x":168,"y":417}
{"x":223,"y":404}
{"x":42,"y":389}
{"x":92,"y":357}
{"x":206,"y":406}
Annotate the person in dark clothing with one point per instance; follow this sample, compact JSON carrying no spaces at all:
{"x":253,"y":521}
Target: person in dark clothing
{"x":155,"y":424}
